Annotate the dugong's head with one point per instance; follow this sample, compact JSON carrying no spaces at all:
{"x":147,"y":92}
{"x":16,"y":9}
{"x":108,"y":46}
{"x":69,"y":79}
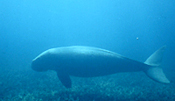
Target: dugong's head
{"x":42,"y":62}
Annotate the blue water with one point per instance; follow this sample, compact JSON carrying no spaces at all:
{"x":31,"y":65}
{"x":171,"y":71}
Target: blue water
{"x":133,"y":28}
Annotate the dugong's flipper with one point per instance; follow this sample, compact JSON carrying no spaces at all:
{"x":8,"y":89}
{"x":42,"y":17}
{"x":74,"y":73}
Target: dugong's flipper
{"x":65,"y":79}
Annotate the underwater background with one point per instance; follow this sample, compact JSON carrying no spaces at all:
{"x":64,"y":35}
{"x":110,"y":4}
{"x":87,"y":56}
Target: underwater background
{"x":132,"y":28}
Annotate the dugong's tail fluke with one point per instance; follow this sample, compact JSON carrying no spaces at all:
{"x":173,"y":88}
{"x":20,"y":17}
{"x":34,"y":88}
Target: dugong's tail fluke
{"x":155,"y":71}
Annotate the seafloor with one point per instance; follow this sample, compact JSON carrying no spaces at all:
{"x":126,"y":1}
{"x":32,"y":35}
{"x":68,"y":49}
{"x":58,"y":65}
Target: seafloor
{"x":27,"y":85}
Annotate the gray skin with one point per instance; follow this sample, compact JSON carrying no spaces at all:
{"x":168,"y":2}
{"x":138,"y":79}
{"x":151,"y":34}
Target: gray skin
{"x":84,"y":61}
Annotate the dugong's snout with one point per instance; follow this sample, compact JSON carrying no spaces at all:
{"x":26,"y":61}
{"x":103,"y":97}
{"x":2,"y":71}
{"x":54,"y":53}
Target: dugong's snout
{"x":44,"y":61}
{"x":39,"y":64}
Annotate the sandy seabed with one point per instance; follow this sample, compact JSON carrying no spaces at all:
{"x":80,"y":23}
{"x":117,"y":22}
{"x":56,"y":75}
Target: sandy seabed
{"x":28,"y":85}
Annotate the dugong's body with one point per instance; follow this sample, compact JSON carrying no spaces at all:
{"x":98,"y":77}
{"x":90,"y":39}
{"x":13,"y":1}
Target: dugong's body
{"x":84,"y":61}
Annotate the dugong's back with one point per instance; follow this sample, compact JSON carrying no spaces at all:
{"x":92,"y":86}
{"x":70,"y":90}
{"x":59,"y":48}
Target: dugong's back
{"x":89,"y":61}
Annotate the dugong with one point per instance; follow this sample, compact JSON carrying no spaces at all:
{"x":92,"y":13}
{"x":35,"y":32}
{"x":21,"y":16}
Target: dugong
{"x":83,"y":61}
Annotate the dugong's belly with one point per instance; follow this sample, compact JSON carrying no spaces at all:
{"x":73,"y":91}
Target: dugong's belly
{"x":90,"y":62}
